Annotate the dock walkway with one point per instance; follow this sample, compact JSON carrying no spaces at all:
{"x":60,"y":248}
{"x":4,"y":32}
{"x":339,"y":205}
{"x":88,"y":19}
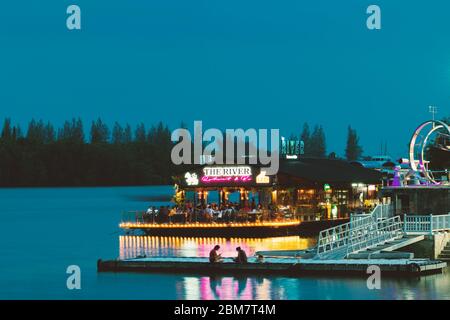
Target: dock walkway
{"x":273,"y":266}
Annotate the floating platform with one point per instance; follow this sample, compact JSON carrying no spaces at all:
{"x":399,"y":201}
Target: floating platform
{"x":232,"y":229}
{"x":273,"y":266}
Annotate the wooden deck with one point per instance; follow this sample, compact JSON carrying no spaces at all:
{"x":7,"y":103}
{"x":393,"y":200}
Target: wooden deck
{"x":273,"y":266}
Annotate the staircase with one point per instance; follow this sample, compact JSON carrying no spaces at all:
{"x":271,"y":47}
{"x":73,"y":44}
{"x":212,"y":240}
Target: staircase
{"x":379,"y":231}
{"x":388,"y":247}
{"x":445,"y":254}
{"x":396,"y":244}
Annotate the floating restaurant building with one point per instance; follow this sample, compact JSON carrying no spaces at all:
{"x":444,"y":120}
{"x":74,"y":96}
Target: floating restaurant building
{"x":305,"y":189}
{"x":242,"y":200}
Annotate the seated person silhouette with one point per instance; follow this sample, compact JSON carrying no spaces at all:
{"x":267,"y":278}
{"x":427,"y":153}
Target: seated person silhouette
{"x":241,"y":257}
{"x":214,"y":257}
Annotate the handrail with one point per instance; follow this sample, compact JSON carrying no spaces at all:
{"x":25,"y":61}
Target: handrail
{"x":144,"y":217}
{"x":376,"y":234}
{"x":136,"y":216}
{"x":361,"y":232}
{"x":440,"y":222}
{"x":426,"y":224}
{"x":337,"y":237}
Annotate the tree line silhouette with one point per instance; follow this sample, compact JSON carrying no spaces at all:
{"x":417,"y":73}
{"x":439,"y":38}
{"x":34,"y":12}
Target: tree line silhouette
{"x":49,"y":156}
{"x":46,"y":156}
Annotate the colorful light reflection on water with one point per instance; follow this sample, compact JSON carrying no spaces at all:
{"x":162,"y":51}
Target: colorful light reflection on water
{"x":36,"y":251}
{"x":195,"y":287}
{"x":225,"y":288}
{"x":132,"y":246}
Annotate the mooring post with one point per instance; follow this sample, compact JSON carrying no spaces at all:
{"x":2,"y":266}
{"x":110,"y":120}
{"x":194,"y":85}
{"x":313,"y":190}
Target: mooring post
{"x":431,"y":224}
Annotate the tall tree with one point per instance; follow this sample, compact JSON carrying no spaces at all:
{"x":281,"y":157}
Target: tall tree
{"x":64,"y":133}
{"x":162,"y":135}
{"x":99,"y":132}
{"x":183,"y":125}
{"x":353,"y":151}
{"x":36,"y":132}
{"x":77,"y":131}
{"x":127,"y":135}
{"x":49,"y":133}
{"x":140,"y":134}
{"x":317,"y":143}
{"x":72,"y":131}
{"x":16,"y":133}
{"x":117,"y":134}
{"x":151,"y":135}
{"x":305,"y":137}
{"x":7,"y":130}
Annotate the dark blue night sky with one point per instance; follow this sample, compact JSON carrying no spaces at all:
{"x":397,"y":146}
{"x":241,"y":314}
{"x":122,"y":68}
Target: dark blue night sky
{"x":247,"y":63}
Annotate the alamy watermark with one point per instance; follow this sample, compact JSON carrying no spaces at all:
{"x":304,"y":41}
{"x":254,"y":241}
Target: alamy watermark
{"x":73,"y":21}
{"x":74,"y":279}
{"x":374,"y":280}
{"x":232,"y":146}
{"x":373,"y":22}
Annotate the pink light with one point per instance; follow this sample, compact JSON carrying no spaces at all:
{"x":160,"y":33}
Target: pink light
{"x":209,"y":179}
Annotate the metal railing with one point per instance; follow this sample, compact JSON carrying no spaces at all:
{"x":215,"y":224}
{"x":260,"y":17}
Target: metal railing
{"x":381,"y":211}
{"x":422,"y":224}
{"x":362,"y":232}
{"x":238,"y":216}
{"x":133,"y":216}
{"x":440,"y":222}
{"x":375,"y":234}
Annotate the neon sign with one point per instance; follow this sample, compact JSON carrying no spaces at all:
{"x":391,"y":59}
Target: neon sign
{"x":209,"y":179}
{"x":227,"y":171}
{"x":227,"y":174}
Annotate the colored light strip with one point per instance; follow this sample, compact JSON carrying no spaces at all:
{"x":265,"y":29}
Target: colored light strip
{"x":129,"y":225}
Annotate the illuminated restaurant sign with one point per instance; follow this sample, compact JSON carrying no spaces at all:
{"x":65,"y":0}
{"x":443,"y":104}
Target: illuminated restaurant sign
{"x":227,"y":174}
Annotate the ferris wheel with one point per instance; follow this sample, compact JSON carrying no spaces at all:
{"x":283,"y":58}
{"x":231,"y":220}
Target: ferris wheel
{"x":432,"y":134}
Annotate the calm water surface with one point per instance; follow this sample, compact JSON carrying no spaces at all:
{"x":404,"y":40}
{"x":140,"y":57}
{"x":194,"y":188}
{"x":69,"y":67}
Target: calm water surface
{"x":45,"y":230}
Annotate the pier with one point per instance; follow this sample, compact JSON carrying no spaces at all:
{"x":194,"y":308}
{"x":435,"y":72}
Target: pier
{"x":273,"y":266}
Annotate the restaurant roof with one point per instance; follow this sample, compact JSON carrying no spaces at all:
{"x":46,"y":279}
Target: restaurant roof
{"x":302,"y":171}
{"x":328,"y":171}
